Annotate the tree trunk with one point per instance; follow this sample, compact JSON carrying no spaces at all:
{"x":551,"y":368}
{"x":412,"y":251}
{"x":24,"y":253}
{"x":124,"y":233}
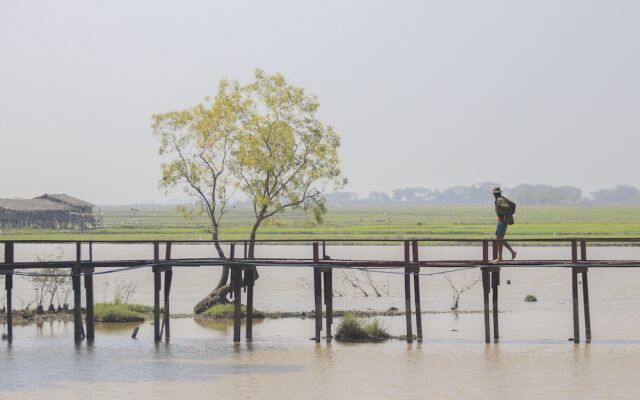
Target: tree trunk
{"x":220,"y":292}
{"x":224,"y":277}
{"x":219,"y":295}
{"x":252,"y":239}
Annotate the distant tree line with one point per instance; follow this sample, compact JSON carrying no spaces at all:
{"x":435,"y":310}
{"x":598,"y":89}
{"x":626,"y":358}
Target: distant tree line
{"x":481,"y":194}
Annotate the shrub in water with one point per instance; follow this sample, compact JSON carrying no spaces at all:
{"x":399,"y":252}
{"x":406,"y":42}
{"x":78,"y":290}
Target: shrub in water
{"x":109,"y":312}
{"x":353,"y":328}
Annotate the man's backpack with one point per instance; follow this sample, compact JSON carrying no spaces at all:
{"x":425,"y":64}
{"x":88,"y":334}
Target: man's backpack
{"x":512,"y":211}
{"x":512,"y":205}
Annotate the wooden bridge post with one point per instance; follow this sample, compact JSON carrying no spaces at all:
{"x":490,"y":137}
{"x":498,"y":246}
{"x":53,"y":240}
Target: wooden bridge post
{"x":157,"y":283}
{"x":8,"y":285}
{"x":485,"y":251}
{"x":574,"y":292}
{"x":76,"y":272}
{"x":328,"y":300}
{"x":168,"y":277}
{"x":494,"y":248}
{"x":585,"y":299}
{"x":416,"y":291}
{"x":88,"y":287}
{"x":407,"y":290}
{"x":485,"y":291}
{"x":249,"y":280}
{"x":317,"y":291}
{"x":495,"y":281}
{"x":77,"y":301}
{"x":236,"y":279}
{"x":327,"y":274}
{"x":585,"y":292}
{"x":574,"y":295}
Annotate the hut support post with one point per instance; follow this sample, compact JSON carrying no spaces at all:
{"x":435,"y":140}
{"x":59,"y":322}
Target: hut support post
{"x":157,"y":283}
{"x":416,"y":291}
{"x":88,"y":287}
{"x":407,"y":291}
{"x":485,"y":291}
{"x":317,"y":292}
{"x":8,"y":285}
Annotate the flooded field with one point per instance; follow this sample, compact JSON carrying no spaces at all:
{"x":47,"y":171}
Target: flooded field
{"x":534,"y":358}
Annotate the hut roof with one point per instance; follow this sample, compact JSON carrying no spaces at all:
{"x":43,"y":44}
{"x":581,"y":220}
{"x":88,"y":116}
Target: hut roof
{"x":30,"y":205}
{"x":65,"y":199}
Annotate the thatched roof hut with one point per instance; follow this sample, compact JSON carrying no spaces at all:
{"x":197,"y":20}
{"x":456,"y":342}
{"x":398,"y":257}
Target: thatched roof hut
{"x":46,"y":211}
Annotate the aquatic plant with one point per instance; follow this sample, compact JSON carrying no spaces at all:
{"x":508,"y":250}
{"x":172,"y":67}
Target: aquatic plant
{"x":109,"y":312}
{"x":226,"y":311}
{"x":353,"y":328}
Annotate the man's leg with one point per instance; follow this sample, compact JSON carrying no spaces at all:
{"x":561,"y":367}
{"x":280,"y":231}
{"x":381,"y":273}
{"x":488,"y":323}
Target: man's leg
{"x":500,"y":244}
{"x":513,"y":253}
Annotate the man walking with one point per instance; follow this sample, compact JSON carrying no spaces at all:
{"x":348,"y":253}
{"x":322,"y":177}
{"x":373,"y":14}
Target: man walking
{"x":505,"y":209}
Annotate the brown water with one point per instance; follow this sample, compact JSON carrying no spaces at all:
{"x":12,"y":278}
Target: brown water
{"x":534,"y":359}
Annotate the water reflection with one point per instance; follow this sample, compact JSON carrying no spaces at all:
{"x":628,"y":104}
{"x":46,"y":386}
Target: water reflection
{"x":224,"y":325}
{"x":534,"y":359}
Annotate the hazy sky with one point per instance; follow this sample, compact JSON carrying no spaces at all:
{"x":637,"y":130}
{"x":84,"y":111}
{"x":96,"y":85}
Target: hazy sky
{"x":423,"y":93}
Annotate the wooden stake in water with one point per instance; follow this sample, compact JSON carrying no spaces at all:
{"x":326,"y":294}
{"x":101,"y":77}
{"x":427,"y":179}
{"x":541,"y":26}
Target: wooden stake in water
{"x":156,"y":292}
{"x":574,"y":295}
{"x":485,"y":292}
{"x":407,"y":292}
{"x":495,"y":281}
{"x":416,"y":291}
{"x":8,"y":285}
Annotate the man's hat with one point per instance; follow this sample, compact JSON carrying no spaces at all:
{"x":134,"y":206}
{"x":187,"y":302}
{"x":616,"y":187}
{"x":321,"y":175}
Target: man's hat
{"x":497,"y":190}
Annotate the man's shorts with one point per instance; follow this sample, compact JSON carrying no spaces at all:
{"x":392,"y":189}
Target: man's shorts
{"x":501,"y":228}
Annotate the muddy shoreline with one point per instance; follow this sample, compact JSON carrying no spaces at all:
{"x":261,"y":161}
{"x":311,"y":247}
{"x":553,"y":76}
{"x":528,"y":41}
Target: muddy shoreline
{"x":21,"y":317}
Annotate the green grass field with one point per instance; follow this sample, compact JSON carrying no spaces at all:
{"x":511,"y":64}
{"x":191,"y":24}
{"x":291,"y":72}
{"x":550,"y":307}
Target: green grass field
{"x":372,"y":222}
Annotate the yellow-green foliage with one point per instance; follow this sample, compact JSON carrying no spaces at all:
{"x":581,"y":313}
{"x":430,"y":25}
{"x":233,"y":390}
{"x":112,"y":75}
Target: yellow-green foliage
{"x":352,"y":327}
{"x":109,"y":312}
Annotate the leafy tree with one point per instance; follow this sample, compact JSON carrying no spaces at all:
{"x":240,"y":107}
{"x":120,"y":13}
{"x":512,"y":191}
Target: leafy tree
{"x":621,"y":194}
{"x":197,"y":145}
{"x":263,"y":139}
{"x":341,"y":198}
{"x":419,"y":195}
{"x":378,"y":198}
{"x":286,"y":156}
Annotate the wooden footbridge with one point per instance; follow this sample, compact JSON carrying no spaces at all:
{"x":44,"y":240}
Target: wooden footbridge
{"x":243,"y":270}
